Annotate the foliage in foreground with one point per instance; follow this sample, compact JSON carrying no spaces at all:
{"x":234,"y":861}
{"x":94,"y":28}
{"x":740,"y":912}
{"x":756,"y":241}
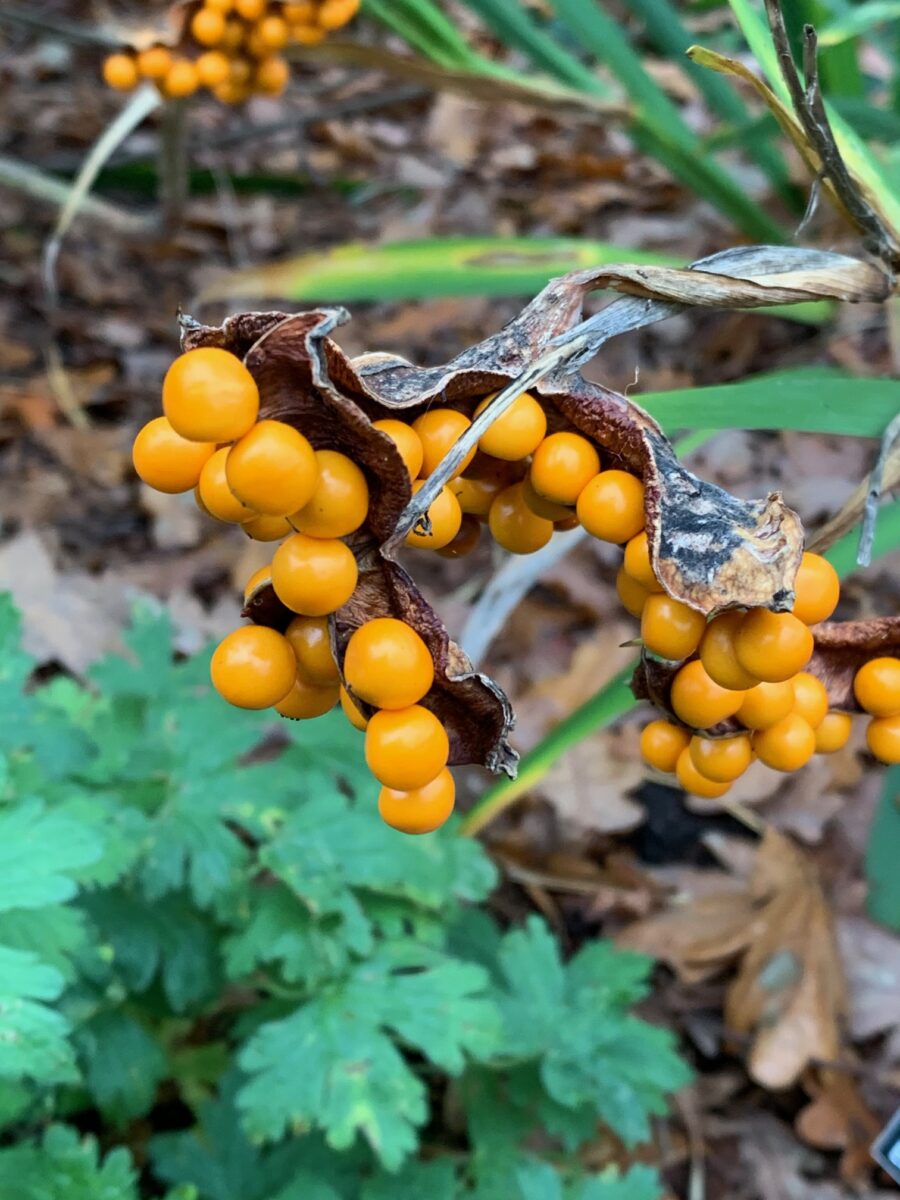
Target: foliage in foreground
{"x":212,"y":951}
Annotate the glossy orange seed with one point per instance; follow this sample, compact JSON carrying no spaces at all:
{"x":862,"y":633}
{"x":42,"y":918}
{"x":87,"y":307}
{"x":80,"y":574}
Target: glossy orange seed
{"x":695,"y":783}
{"x":216,"y":496}
{"x":166,"y":461}
{"x":517,"y":432}
{"x":311,"y":642}
{"x":562,"y":465}
{"x":339,"y":503}
{"x":611,"y":506}
{"x":833,"y":732}
{"x":445,"y":517}
{"x":721,"y":759}
{"x":313,"y":576}
{"x":210,"y":396}
{"x":883,"y":738}
{"x":817,"y":589}
{"x":662,"y":743}
{"x":438,"y":429}
{"x":253,"y":667}
{"x":351,"y":711}
{"x":765,"y":704}
{"x":422,"y":810}
{"x":699,"y":701}
{"x":717,"y":653}
{"x":810,"y":698}
{"x":120,"y":72}
{"x":772,"y":646}
{"x":669,"y":628}
{"x":407,"y":441}
{"x":387,"y":664}
{"x":787,"y":745}
{"x":637,"y":563}
{"x":273,"y":469}
{"x":406,"y":748}
{"x":631,"y":594}
{"x":876,"y":686}
{"x":514,"y":526}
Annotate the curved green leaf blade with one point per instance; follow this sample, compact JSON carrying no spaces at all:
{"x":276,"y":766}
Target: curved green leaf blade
{"x":454,"y":266}
{"x":808,"y":399}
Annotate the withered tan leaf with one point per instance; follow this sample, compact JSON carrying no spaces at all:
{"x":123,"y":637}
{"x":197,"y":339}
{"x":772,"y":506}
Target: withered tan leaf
{"x":788,"y":992}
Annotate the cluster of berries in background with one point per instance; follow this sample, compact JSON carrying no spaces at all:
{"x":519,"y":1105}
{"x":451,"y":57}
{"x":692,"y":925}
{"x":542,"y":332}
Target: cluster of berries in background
{"x":233,"y":48}
{"x":742,"y":691}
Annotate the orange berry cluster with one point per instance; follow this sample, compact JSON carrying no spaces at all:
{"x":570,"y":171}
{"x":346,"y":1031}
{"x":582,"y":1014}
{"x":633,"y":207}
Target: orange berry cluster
{"x":265,"y":476}
{"x":520,"y":482}
{"x":749,"y":666}
{"x":234,"y":48}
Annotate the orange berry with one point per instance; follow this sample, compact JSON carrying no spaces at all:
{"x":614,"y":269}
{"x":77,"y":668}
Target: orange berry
{"x":406,"y":748}
{"x":611,"y":506}
{"x":445,"y":517}
{"x":465,"y":541}
{"x":302,"y":12}
{"x":154,"y":62}
{"x":265,"y":528}
{"x":181,"y":80}
{"x":699,"y":701}
{"x":216,"y":497}
{"x":313,"y":576}
{"x":421,"y":810}
{"x":833,"y":732}
{"x":817,"y":589}
{"x":407,"y":441}
{"x":340,"y":501}
{"x":721,"y":759}
{"x":883,"y":738}
{"x":305,"y":701}
{"x":548,"y":509}
{"x":231,"y":93}
{"x":475,"y":496}
{"x":250,"y":10}
{"x":333,"y":14}
{"x":165,"y":460}
{"x":518,"y":432}
{"x":637,"y":563}
{"x":351,"y":711}
{"x":311,"y":643}
{"x":213,"y":68}
{"x":438,"y":429}
{"x":514,"y":526}
{"x":387,"y":664}
{"x":273,"y":468}
{"x":233,"y":37}
{"x":631,"y":594}
{"x":669,"y":628}
{"x":695,"y":783}
{"x":272,"y":32}
{"x":253,"y":667}
{"x":120,"y":72}
{"x":876,"y":686}
{"x":772,"y":646}
{"x":272,"y":75}
{"x":241,"y":72}
{"x":258,"y":579}
{"x":787,"y":745}
{"x":210,"y":396}
{"x":718,"y":655}
{"x":810,"y":698}
{"x":208,"y":26}
{"x":765,"y":704}
{"x":562,"y":464}
{"x":662,"y":743}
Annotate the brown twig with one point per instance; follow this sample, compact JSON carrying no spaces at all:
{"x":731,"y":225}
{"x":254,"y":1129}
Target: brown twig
{"x":809,"y":108}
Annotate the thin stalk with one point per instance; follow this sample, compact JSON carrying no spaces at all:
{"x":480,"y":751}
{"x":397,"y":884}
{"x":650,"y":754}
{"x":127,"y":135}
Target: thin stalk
{"x":174,"y":168}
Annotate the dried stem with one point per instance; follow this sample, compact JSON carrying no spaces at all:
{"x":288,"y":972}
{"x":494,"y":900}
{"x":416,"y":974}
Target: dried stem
{"x":173,"y":164}
{"x":810,"y":110}
{"x":890,"y":444}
